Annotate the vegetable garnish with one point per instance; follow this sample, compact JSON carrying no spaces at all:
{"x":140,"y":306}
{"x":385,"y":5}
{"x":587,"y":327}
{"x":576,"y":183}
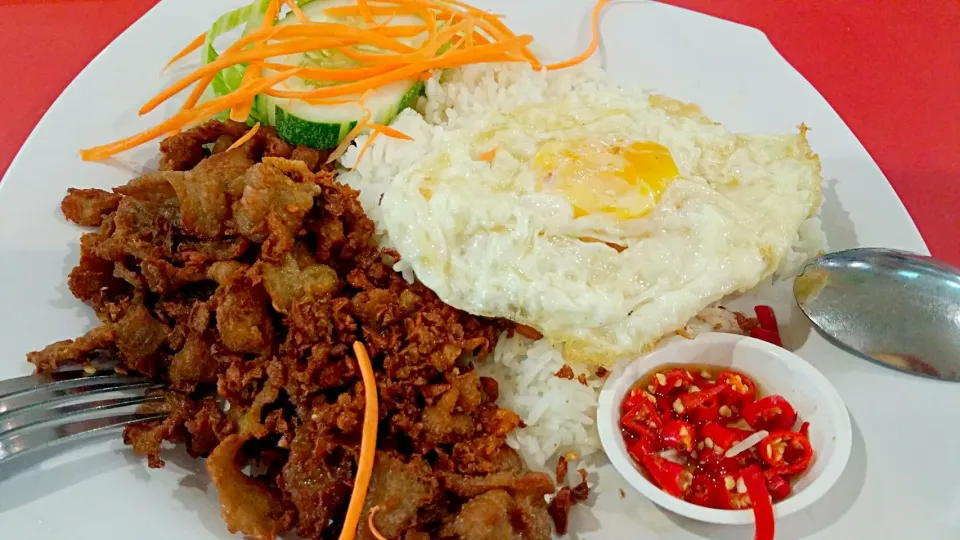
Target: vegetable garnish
{"x":246,"y":137}
{"x":368,"y":444}
{"x":594,"y":43}
{"x":373,"y":528}
{"x":192,"y":46}
{"x":183,"y":118}
{"x":375,"y":54}
{"x":489,"y":155}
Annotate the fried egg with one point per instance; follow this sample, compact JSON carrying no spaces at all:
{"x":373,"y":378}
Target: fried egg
{"x":603,"y":217}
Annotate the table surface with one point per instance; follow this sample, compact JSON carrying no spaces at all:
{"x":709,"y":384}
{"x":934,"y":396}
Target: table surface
{"x":890,"y":69}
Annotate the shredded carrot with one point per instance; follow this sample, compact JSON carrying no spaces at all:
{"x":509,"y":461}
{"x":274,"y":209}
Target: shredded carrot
{"x":368,"y":444}
{"x":246,"y":137}
{"x":373,"y":528}
{"x":194,"y":45}
{"x":183,"y":118}
{"x":451,"y":59}
{"x":390,"y":132}
{"x":594,"y":42}
{"x":365,"y":11}
{"x":489,"y":154}
{"x":364,"y":148}
{"x":345,"y":143}
{"x":297,"y":12}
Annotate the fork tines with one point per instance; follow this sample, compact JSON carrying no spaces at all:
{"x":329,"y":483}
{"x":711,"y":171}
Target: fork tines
{"x":38,"y":412}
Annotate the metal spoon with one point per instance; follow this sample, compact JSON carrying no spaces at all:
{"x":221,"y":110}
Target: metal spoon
{"x":896,"y":308}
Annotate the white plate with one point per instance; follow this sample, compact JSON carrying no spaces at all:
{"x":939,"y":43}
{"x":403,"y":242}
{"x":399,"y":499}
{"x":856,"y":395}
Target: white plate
{"x":902,"y":478}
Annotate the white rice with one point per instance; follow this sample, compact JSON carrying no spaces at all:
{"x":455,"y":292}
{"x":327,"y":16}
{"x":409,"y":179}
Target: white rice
{"x":560,"y":414}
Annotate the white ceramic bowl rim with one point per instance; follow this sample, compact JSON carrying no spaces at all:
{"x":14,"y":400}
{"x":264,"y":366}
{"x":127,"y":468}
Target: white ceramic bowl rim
{"x":626,"y":375}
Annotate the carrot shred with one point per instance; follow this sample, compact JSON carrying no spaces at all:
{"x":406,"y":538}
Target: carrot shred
{"x":489,"y":154}
{"x":246,"y":137}
{"x":183,"y":118}
{"x":364,"y":148}
{"x":368,"y":444}
{"x":297,"y":12}
{"x":192,"y":46}
{"x":390,"y":132}
{"x":365,"y":11}
{"x":345,"y":143}
{"x":594,"y":42}
{"x":372,"y":526}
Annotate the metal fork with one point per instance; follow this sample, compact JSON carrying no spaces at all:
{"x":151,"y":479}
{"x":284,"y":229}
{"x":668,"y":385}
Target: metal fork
{"x":42,"y":412}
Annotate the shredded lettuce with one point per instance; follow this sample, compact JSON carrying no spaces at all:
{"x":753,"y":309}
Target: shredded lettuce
{"x":228,"y":79}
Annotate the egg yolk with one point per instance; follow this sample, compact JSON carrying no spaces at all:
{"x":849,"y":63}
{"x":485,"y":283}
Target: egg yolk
{"x":625,"y":180}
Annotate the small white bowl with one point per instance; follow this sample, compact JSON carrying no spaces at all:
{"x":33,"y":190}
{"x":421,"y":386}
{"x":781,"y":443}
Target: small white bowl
{"x":776,"y":371}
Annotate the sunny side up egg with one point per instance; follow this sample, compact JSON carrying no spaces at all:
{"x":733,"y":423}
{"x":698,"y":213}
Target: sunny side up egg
{"x":602,"y":217}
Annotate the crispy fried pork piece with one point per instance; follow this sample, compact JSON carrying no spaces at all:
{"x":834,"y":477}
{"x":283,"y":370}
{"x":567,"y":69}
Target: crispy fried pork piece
{"x":532,"y":484}
{"x":87,"y":207}
{"x":73,"y":351}
{"x":249,"y":506}
{"x":290,"y":281}
{"x":204,"y":205}
{"x":399,"y":490}
{"x":273,"y":145}
{"x":184,"y":150}
{"x":488,"y":516}
{"x":316,"y":481}
{"x":225,"y":249}
{"x":164,"y":278}
{"x":563,"y":501}
{"x":271,"y":209}
{"x":500,"y":515}
{"x":140,"y":337}
{"x":194,"y":363}
{"x":243,"y":319}
{"x":314,"y":159}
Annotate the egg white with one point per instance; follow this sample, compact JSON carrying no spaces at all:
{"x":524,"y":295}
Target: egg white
{"x":487,"y":238}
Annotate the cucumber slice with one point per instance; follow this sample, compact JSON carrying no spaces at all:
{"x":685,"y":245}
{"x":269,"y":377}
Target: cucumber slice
{"x":325,"y":126}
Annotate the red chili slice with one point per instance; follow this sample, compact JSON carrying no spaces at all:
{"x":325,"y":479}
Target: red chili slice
{"x":767,"y":318}
{"x":679,"y":435}
{"x":643,"y":445}
{"x":669,"y":476}
{"x":670,"y":382}
{"x":717,"y":438}
{"x":771,"y":413}
{"x":779,"y":488}
{"x":805,"y":429}
{"x":740,"y":390}
{"x":704,"y":491}
{"x":641,"y":418}
{"x":691,"y":400}
{"x":766,"y":335}
{"x":760,"y":501}
{"x":708,"y":411}
{"x":634,"y":397}
{"x":786,"y":452}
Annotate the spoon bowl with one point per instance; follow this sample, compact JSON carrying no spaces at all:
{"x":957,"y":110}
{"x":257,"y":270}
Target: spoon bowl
{"x":896,"y":308}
